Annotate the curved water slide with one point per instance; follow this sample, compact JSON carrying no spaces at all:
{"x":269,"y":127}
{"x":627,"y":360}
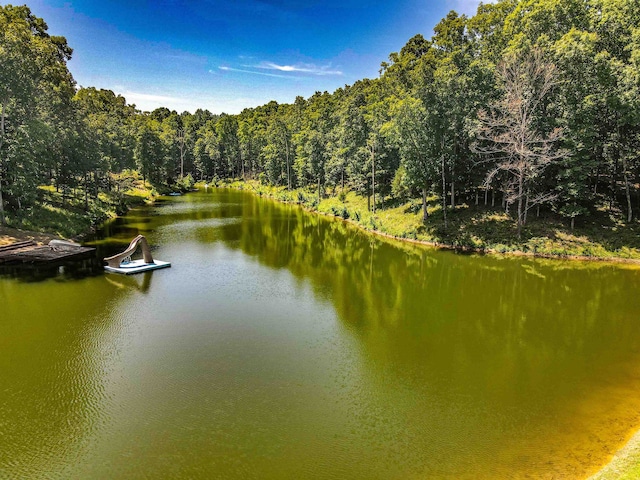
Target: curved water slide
{"x":122,"y":263}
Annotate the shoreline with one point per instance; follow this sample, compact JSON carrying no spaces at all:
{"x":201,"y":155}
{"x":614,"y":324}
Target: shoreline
{"x":488,"y":251}
{"x":623,"y":465}
{"x":12,"y":234}
{"x":617,"y":260}
{"x":9,"y":235}
{"x":54,"y":217}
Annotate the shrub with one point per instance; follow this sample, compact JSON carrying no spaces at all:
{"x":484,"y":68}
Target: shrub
{"x":185,"y":183}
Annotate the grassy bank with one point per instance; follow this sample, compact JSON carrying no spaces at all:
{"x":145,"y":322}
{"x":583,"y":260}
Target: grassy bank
{"x":72,"y":214}
{"x":625,"y":465}
{"x":471,"y":227}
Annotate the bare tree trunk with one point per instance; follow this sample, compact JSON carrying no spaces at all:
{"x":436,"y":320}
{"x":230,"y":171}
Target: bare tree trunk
{"x":373,"y":176}
{"x":286,"y":149}
{"x":86,"y":191}
{"x":180,"y":138}
{"x":612,"y":197}
{"x":486,"y":196}
{"x":2,"y":133}
{"x":444,"y":194}
{"x":425,"y":214}
{"x":493,"y":197}
{"x":526,"y":210}
{"x":638,"y":181}
{"x":520,"y":188}
{"x":626,"y":189}
{"x":2,"y":219}
{"x":477,"y":197}
{"x":453,"y":194}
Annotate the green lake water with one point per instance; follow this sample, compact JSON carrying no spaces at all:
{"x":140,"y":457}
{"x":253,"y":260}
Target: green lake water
{"x":285,"y":345}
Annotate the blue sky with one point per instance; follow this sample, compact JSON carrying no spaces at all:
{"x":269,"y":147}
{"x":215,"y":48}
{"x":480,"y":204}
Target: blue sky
{"x":228,"y":55}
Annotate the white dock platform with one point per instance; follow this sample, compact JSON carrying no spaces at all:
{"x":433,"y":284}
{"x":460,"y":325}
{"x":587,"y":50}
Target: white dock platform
{"x":137,"y":266}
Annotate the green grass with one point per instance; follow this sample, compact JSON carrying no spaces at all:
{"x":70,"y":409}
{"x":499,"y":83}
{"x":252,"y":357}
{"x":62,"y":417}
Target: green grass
{"x":600,"y":236}
{"x":66,"y":214}
{"x":625,"y":465}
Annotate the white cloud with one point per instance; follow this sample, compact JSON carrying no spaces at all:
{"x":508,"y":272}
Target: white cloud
{"x":302,"y":68}
{"x":253,"y":72}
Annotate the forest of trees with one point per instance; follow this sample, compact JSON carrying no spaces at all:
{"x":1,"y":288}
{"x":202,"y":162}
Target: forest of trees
{"x":529,"y":103}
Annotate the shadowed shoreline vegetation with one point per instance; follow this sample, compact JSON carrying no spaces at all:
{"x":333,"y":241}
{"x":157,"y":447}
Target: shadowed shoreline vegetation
{"x":470,"y":229}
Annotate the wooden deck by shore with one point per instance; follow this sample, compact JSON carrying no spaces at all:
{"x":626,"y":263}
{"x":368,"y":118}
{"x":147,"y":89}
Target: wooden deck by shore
{"x":29,"y":251}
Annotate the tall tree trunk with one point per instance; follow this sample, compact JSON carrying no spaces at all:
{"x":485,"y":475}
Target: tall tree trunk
{"x":2,"y":219}
{"x":453,"y":172}
{"x":182,"y":161}
{"x":286,"y":150}
{"x":181,"y":149}
{"x":425,"y":214}
{"x":453,"y":194}
{"x":373,"y":178}
{"x":520,"y":194}
{"x":86,"y":191}
{"x":638,"y":195}
{"x":444,"y":193}
{"x":626,"y":189}
{"x":2,"y":134}
{"x":612,"y":197}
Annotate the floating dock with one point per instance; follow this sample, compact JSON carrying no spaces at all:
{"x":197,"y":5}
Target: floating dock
{"x":137,"y":266}
{"x":122,"y":262}
{"x":30,"y":252}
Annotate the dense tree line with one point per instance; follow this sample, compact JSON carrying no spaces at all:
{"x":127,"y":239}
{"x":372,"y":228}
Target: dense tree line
{"x":528,"y":103}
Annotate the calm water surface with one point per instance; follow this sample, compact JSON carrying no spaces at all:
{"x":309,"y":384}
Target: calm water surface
{"x":283,"y":345}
